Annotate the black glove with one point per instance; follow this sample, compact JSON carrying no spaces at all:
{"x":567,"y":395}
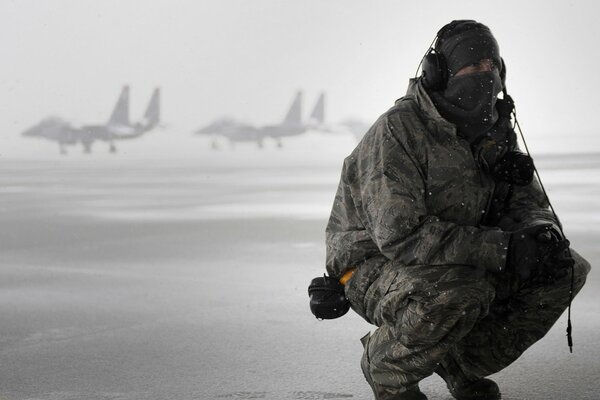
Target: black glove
{"x":515,"y":167}
{"x":538,"y":253}
{"x":327,"y":298}
{"x":559,"y":261}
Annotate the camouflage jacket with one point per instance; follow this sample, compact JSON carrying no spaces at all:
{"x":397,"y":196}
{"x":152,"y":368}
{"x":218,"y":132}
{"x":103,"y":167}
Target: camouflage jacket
{"x":411,"y":191}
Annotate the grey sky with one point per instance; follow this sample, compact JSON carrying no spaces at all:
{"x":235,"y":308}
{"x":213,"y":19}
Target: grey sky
{"x":246,"y":58}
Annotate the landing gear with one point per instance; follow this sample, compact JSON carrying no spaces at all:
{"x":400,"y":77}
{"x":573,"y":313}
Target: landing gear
{"x":112,"y":149}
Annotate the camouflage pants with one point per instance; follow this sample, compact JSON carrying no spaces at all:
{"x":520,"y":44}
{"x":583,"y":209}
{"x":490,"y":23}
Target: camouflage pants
{"x":454,"y":316}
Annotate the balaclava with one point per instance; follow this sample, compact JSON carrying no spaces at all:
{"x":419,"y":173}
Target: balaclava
{"x":469,"y":100}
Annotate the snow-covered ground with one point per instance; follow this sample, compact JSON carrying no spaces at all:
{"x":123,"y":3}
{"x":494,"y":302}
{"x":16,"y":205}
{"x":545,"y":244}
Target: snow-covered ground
{"x":183,"y":275}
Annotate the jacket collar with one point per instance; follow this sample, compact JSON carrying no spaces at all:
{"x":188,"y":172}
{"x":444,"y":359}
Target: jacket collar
{"x":417,"y":92}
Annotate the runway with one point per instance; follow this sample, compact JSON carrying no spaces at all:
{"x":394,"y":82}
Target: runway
{"x":185,"y":278}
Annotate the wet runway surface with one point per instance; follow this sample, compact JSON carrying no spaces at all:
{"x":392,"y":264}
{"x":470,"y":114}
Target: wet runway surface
{"x":186,"y":279}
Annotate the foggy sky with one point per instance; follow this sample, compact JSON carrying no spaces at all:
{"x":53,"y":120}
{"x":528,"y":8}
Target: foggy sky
{"x":247,"y":58}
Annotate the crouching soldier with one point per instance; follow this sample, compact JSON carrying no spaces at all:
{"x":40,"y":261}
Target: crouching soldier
{"x":444,"y":239}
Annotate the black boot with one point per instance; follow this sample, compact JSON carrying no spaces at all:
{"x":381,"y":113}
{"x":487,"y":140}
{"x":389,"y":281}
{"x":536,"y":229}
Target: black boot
{"x":464,"y":387}
{"x":481,"y":389}
{"x":412,"y":393}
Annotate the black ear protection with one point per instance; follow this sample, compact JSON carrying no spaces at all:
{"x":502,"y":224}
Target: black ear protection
{"x":503,"y":76}
{"x":434,"y":71}
{"x":327,"y":298}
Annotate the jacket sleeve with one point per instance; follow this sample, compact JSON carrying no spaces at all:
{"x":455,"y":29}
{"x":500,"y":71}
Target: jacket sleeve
{"x":348,"y":242}
{"x":392,"y":190}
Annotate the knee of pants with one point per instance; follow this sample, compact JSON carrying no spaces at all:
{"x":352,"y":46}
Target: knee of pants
{"x":446,"y":315}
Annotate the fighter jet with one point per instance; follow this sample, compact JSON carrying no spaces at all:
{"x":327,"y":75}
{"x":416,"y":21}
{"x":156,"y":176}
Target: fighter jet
{"x":236,"y":131}
{"x":118,"y":126}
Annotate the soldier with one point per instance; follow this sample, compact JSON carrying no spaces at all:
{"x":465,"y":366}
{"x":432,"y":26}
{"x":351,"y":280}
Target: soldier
{"x":442,"y":237}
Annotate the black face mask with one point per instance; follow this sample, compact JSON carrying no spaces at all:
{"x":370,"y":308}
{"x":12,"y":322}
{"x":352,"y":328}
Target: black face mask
{"x":469,"y":102}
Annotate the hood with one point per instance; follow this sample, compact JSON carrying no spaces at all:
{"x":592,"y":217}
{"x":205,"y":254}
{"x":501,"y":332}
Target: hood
{"x":417,"y":92}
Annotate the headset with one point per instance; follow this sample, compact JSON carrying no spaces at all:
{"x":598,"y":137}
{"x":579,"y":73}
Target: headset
{"x":434,"y":71}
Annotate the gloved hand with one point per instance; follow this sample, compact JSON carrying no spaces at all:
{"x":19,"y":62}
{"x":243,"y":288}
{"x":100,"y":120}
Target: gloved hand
{"x":515,"y":167}
{"x":327,"y":298}
{"x":538,"y":253}
{"x":549,"y":233}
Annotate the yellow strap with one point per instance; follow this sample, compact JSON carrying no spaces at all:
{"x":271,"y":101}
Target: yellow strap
{"x":347,"y":275}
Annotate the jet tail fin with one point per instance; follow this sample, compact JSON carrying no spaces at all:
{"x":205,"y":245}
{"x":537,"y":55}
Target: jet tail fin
{"x":318,"y":114}
{"x":294,"y":114}
{"x":120,"y":114}
{"x":152,"y":114}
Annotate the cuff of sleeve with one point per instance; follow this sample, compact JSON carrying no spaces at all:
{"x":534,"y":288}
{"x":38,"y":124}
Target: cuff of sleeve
{"x":491,"y":250}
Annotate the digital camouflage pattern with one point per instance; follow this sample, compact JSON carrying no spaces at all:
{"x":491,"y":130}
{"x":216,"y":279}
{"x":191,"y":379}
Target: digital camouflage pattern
{"x":428,"y":231}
